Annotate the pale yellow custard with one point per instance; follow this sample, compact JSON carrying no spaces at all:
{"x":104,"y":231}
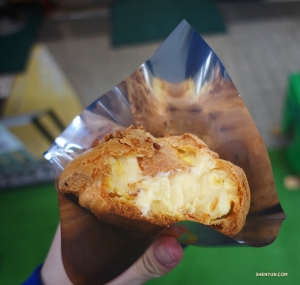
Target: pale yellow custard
{"x":200,"y":189}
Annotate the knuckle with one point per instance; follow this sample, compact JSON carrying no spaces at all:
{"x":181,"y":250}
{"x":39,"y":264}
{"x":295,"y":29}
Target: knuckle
{"x":146,"y":267}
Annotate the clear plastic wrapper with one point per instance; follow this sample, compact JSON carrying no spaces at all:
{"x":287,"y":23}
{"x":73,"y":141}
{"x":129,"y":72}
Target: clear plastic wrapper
{"x":182,"y":88}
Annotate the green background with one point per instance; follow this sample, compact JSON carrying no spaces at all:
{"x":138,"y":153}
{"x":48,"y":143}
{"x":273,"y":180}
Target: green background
{"x":136,"y":21}
{"x":28,"y":220}
{"x":15,"y":47}
{"x":29,"y":217}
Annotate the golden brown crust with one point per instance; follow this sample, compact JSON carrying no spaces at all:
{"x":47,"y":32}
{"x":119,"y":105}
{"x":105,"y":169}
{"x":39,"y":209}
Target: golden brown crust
{"x":84,"y":177}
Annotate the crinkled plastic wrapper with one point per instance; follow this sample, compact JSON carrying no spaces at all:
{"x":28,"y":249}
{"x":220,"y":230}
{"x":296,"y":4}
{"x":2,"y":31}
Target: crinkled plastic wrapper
{"x":182,"y":88}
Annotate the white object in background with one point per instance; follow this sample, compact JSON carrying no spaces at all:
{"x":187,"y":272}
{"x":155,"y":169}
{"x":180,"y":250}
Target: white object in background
{"x":5,"y":85}
{"x":8,"y":141}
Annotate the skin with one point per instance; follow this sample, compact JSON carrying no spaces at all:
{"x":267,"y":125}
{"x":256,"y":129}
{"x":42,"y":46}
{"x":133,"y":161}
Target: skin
{"x":160,"y":258}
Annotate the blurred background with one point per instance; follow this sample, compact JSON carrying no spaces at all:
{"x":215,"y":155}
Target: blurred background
{"x":57,"y":57}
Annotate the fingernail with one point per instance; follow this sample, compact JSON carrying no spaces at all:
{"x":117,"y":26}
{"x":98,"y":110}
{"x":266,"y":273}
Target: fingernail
{"x":164,"y":255}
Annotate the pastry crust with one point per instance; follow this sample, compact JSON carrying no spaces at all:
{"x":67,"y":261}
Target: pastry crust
{"x":87,"y":177}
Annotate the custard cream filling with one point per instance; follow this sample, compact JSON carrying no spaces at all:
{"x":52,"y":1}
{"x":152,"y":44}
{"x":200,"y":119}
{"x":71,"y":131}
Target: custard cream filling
{"x":201,"y":189}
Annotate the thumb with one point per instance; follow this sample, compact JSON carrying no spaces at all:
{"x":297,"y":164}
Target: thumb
{"x":161,"y":257}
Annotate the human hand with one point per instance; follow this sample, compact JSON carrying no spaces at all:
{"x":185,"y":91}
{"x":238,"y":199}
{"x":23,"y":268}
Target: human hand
{"x":160,"y":258}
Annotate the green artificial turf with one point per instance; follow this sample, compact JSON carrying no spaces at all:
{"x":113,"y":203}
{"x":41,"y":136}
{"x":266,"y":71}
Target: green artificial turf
{"x":29,"y":217}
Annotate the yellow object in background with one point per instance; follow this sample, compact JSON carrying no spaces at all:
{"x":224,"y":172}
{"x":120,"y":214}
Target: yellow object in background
{"x":42,"y":87}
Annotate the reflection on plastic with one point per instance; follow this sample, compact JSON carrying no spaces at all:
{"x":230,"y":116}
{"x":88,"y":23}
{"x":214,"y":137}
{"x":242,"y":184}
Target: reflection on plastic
{"x":182,"y":88}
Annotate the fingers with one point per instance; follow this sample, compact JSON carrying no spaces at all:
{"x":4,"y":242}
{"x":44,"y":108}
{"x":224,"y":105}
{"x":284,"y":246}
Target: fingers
{"x":53,"y":271}
{"x":162,"y":256}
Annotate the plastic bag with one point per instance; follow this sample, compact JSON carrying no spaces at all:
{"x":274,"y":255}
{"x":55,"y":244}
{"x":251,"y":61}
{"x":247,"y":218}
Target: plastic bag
{"x":183,"y":87}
